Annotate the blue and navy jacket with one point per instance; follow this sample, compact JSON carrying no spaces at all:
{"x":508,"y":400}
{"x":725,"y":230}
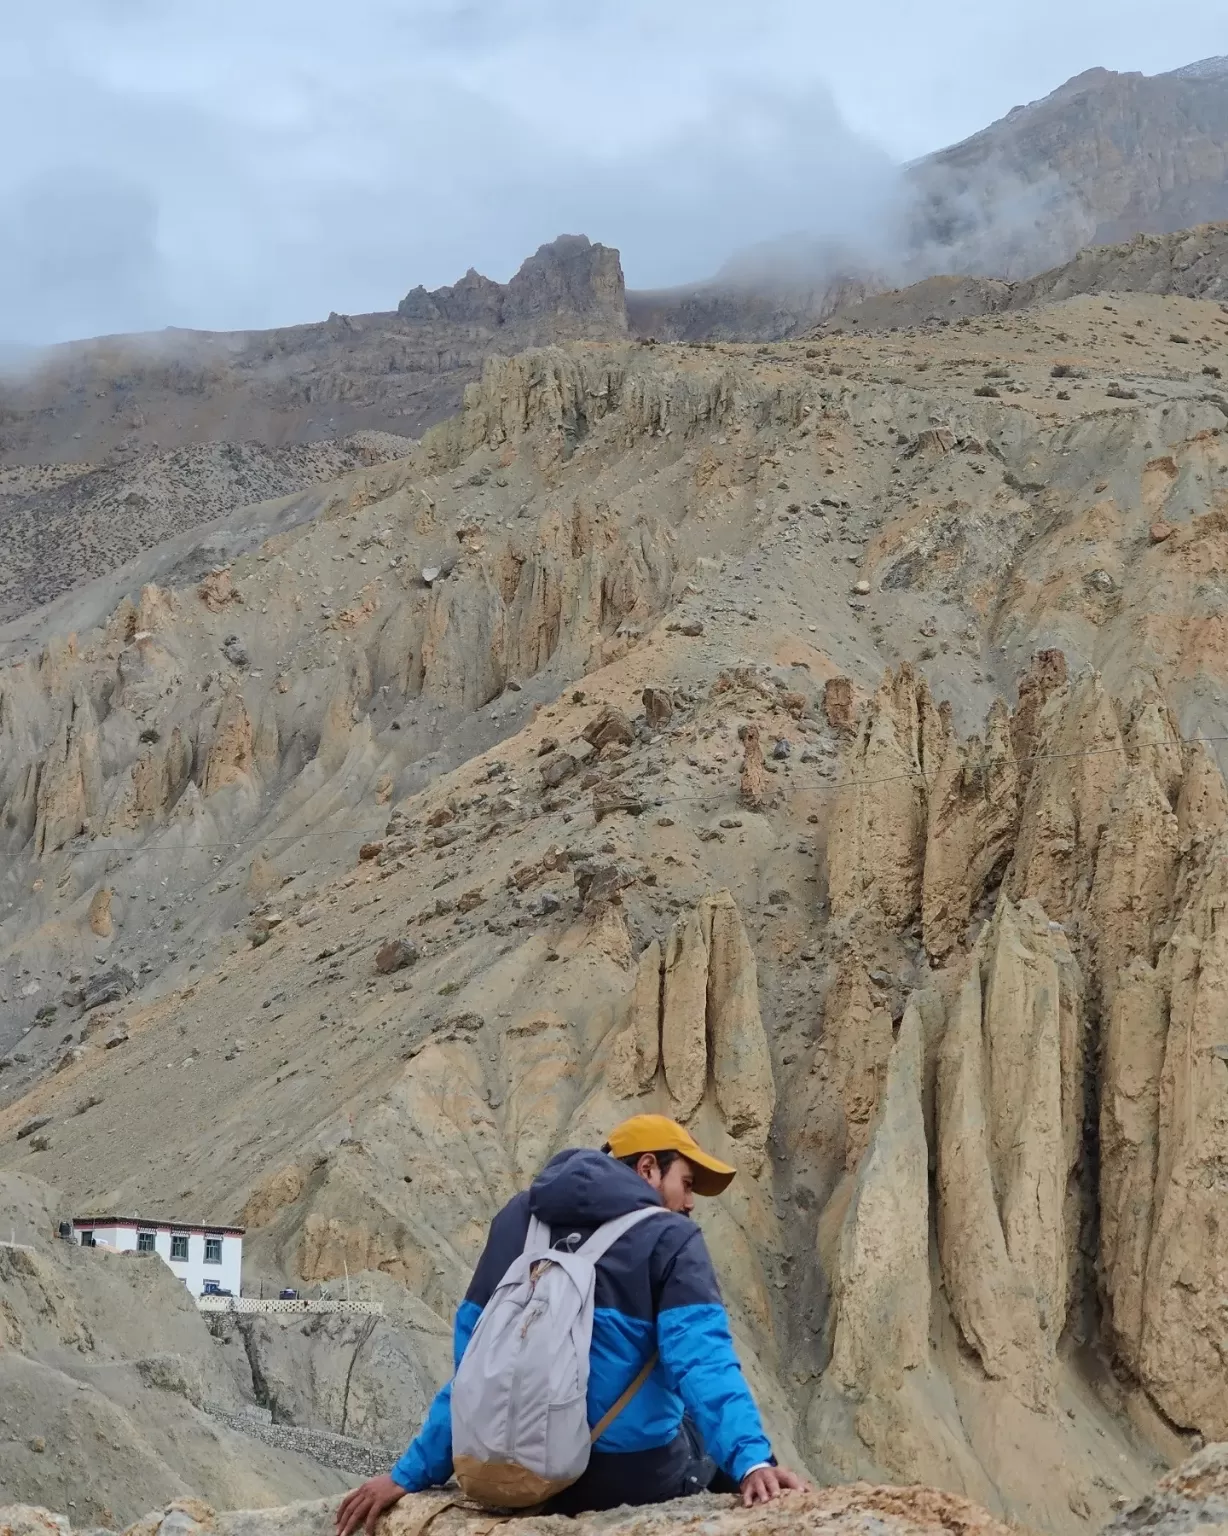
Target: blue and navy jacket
{"x":655,"y":1290}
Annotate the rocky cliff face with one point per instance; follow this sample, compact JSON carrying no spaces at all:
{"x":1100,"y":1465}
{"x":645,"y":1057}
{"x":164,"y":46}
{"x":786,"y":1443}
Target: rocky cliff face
{"x":758,"y":306}
{"x":1064,"y":1003}
{"x":1122,"y":161}
{"x":570,"y":285}
{"x":816,"y":743}
{"x":1104,"y":157}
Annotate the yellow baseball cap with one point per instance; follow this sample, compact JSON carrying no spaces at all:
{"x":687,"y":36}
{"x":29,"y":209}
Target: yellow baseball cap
{"x":657,"y":1133}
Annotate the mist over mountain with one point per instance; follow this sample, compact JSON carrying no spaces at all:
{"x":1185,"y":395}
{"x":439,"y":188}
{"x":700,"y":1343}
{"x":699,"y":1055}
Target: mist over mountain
{"x":162,"y":173}
{"x":1104,"y":157}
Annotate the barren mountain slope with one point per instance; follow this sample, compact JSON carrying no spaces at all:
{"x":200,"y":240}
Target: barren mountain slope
{"x":106,"y":1368}
{"x":63,"y":524}
{"x":1104,"y":157}
{"x":396,"y":372}
{"x":176,"y":430}
{"x":1193,"y":262}
{"x":418,"y":878}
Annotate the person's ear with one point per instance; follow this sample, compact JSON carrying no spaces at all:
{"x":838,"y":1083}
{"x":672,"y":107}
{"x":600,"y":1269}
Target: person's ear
{"x":646,"y":1166}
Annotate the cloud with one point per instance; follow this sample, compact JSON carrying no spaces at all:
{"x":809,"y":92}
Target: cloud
{"x":76,"y":244}
{"x":230,"y":165}
{"x":226,"y":164}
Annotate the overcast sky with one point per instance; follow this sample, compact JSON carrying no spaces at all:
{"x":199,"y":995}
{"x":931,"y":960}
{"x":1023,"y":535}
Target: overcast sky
{"x":230,"y":163}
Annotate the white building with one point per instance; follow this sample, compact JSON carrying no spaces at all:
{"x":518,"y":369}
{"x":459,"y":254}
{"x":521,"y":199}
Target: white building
{"x":204,"y":1258}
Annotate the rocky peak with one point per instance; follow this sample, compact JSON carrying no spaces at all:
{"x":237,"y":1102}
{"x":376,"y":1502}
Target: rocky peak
{"x":1029,"y":191}
{"x":570,"y":275}
{"x":568,"y":279}
{"x":475,"y":300}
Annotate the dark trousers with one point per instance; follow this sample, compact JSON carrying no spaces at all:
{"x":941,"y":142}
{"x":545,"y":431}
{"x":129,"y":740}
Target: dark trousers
{"x":673,"y":1471}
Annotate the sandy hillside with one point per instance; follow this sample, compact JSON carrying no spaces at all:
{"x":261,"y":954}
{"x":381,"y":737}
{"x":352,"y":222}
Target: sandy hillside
{"x":798,"y":739}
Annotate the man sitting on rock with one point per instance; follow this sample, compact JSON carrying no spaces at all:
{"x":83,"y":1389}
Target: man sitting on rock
{"x":693,"y":1425}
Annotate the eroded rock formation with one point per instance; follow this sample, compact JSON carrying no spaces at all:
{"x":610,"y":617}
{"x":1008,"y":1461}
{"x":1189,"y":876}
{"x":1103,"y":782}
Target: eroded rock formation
{"x":1093,"y":984}
{"x":1165,"y":1252}
{"x":878,"y":829}
{"x":972,"y":819}
{"x":1009,"y":1109}
{"x":694,"y":1010}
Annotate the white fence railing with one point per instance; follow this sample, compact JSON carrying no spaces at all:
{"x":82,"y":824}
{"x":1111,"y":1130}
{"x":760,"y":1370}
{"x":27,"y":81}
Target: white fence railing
{"x":251,"y":1304}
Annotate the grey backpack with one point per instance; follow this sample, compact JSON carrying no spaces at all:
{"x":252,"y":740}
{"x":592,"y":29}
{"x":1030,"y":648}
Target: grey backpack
{"x":520,"y":1395}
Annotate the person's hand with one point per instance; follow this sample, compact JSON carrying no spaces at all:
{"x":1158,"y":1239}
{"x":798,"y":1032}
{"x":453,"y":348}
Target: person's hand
{"x":764,"y":1484}
{"x":364,"y":1506}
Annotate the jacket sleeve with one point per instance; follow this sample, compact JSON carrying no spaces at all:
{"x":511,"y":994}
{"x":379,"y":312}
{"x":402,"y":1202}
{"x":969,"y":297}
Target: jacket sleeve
{"x":697,"y":1352}
{"x":427,"y":1463}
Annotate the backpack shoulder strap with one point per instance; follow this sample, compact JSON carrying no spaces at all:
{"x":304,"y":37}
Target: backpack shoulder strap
{"x":537,"y":1238}
{"x":604,"y":1238}
{"x":616,"y":1407}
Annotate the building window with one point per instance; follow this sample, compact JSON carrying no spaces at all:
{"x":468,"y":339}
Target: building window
{"x":145,"y":1242}
{"x":213,"y":1250}
{"x":179,"y":1245}
{"x":87,"y":1238}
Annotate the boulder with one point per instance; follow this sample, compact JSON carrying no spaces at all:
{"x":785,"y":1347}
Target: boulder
{"x":557,"y":769}
{"x":395,"y":955}
{"x":216,"y":590}
{"x":110,"y":986}
{"x":601,"y":881}
{"x":30,"y":1520}
{"x":1192,"y":1499}
{"x":611,"y":798}
{"x":611,"y":725}
{"x":658,"y":706}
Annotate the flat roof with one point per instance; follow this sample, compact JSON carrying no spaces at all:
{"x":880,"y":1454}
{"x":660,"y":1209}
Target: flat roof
{"x":159,"y":1224}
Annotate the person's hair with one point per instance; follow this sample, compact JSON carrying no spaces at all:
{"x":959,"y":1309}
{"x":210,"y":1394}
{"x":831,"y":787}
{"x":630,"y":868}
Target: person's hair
{"x":664,"y":1159}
